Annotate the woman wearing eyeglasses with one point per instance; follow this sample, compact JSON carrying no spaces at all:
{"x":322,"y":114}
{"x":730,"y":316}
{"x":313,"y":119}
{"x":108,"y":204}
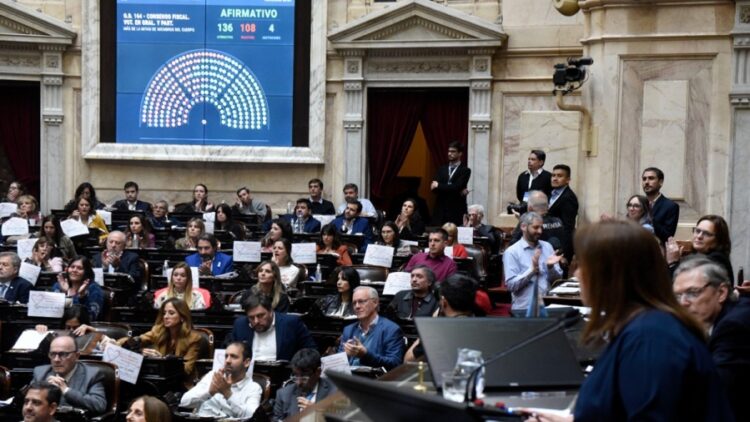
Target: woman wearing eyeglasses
{"x":639,"y":211}
{"x":710,"y":238}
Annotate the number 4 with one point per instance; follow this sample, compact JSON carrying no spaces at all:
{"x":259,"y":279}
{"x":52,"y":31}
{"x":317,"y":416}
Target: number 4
{"x":271,"y":28}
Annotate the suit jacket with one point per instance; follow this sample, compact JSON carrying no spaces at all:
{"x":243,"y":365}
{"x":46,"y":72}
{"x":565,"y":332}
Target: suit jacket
{"x":311,"y":225}
{"x":361,"y":225}
{"x":665,"y":214}
{"x":450,"y":204}
{"x":86,"y":387}
{"x":221,"y":264}
{"x":566,"y":209}
{"x":729,"y":345}
{"x":128,"y":265}
{"x":291,"y":335}
{"x":385,"y":343}
{"x":122,"y":205}
{"x":18,"y":291}
{"x":286,"y":398}
{"x":543,"y":182}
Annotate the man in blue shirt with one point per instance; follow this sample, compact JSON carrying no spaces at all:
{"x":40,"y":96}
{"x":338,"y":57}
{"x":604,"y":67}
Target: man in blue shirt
{"x":530,"y":264}
{"x":209,"y":261}
{"x":373,"y":340}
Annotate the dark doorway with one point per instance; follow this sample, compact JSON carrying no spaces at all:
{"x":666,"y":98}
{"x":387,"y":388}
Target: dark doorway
{"x":408,"y":132}
{"x":19,"y":135}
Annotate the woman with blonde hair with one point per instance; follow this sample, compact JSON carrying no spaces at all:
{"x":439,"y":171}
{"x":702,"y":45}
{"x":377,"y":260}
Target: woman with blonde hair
{"x":269,"y":283}
{"x":148,"y":409}
{"x":181,"y":286}
{"x":459,"y":251}
{"x":195,"y":228}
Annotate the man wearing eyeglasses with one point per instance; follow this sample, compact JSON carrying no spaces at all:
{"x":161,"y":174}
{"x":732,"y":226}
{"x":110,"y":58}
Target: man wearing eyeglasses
{"x":703,"y":287}
{"x":307,"y":389}
{"x":82,"y":386}
{"x":373,"y":340}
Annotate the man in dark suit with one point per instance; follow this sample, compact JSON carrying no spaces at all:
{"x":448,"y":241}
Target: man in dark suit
{"x":563,"y":203}
{"x":12,"y":287}
{"x":474,"y":218}
{"x":302,"y":221}
{"x":115,"y":259}
{"x":351,"y":223}
{"x":703,"y":287}
{"x":535,"y":178}
{"x":665,"y":213}
{"x":451,"y":187}
{"x":319,"y":205}
{"x":271,"y":335}
{"x":208,"y":259}
{"x":307,"y":389}
{"x":131,"y":202}
{"x":82,"y":385}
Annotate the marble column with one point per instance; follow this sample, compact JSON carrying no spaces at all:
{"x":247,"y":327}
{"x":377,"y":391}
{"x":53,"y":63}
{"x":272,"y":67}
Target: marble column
{"x":480,"y":122}
{"x":739,"y":202}
{"x":51,"y":135}
{"x":353,"y":120}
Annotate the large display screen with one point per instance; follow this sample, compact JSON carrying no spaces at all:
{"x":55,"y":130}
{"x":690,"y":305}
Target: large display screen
{"x":205,"y":72}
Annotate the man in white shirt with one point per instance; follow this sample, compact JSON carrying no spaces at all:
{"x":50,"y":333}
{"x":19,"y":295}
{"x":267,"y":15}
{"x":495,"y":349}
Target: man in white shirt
{"x":229,"y":393}
{"x":352,"y":191}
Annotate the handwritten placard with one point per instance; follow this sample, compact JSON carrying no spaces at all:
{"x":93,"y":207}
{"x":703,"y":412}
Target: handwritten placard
{"x":209,"y":216}
{"x":209,"y":226}
{"x":15,"y":226}
{"x":379,"y":255}
{"x":335,"y":363}
{"x":304,"y":253}
{"x":106,"y":216}
{"x":128,"y":363}
{"x":46,"y":304}
{"x":466,"y":235}
{"x":29,"y":272}
{"x":25,"y":247}
{"x":220,"y":358}
{"x":448,"y":251}
{"x":397,"y":282}
{"x":73,"y":228}
{"x":7,"y":208}
{"x":246,"y":251}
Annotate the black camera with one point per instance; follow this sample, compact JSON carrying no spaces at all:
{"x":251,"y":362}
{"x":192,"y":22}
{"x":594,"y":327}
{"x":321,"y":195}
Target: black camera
{"x":519,"y":208}
{"x":573,"y":71}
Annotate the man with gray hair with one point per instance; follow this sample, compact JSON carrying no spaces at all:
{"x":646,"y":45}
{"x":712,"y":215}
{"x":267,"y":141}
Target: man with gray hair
{"x":530,"y":266}
{"x":474,"y":216}
{"x":419,"y":301}
{"x":553,"y":229}
{"x":115,"y":259}
{"x":372,"y":340}
{"x":12,"y":287}
{"x":703,"y":287}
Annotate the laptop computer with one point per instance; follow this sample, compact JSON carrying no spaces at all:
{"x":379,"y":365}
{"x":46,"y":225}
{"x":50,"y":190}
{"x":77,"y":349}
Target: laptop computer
{"x":546,"y":364}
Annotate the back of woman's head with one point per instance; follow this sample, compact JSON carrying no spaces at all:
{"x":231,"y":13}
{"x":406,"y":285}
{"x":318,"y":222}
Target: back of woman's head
{"x":623,"y":271}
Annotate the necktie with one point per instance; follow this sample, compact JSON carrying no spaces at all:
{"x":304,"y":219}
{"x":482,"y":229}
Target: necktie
{"x":3,"y":289}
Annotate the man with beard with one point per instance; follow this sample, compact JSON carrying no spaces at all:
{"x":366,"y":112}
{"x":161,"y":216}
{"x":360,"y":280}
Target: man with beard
{"x":228,"y":393}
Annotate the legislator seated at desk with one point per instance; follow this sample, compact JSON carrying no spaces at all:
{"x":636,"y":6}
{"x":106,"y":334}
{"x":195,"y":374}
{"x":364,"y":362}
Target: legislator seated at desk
{"x":82,"y":386}
{"x":340,"y":304}
{"x":435,"y":258}
{"x":419,"y":301}
{"x":79,"y":286}
{"x":40,"y":402}
{"x":372,"y":340}
{"x":208,"y":259}
{"x":307,"y":389}
{"x":115,"y":259}
{"x":172,"y":334}
{"x":269,"y":284}
{"x":181,"y":287}
{"x":272,"y":335}
{"x":12,"y":287}
{"x":228,"y":393}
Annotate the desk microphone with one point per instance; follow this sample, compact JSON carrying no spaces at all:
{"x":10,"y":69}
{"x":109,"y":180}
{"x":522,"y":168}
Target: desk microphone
{"x":568,"y":320}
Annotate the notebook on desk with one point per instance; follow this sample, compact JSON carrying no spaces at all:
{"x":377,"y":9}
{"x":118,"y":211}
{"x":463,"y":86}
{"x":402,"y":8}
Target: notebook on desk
{"x":546,"y":364}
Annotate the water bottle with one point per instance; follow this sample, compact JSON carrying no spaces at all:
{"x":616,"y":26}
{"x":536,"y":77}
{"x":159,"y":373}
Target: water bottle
{"x":298,"y":227}
{"x":289,"y":208}
{"x":318,"y":274}
{"x":135,"y":241}
{"x":165,"y":268}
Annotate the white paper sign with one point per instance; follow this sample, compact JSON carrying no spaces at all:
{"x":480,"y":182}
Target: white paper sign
{"x":15,"y":226}
{"x":29,"y":272}
{"x":7,"y":208}
{"x":448,"y":251}
{"x":209,"y":226}
{"x":246,"y":251}
{"x":194,"y":274}
{"x":128,"y":363}
{"x":106,"y":216}
{"x":25,"y":247}
{"x":409,"y":242}
{"x":99,"y":276}
{"x":304,"y":253}
{"x":46,"y":304}
{"x":379,"y":255}
{"x":72,"y":228}
{"x":30,"y":340}
{"x":220,"y":358}
{"x":336,"y":363}
{"x":466,"y":235}
{"x":324,"y":218}
{"x":397,"y":282}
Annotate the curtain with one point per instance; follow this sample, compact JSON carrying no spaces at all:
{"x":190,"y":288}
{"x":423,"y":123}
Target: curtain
{"x":19,"y":131}
{"x":445,"y":119}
